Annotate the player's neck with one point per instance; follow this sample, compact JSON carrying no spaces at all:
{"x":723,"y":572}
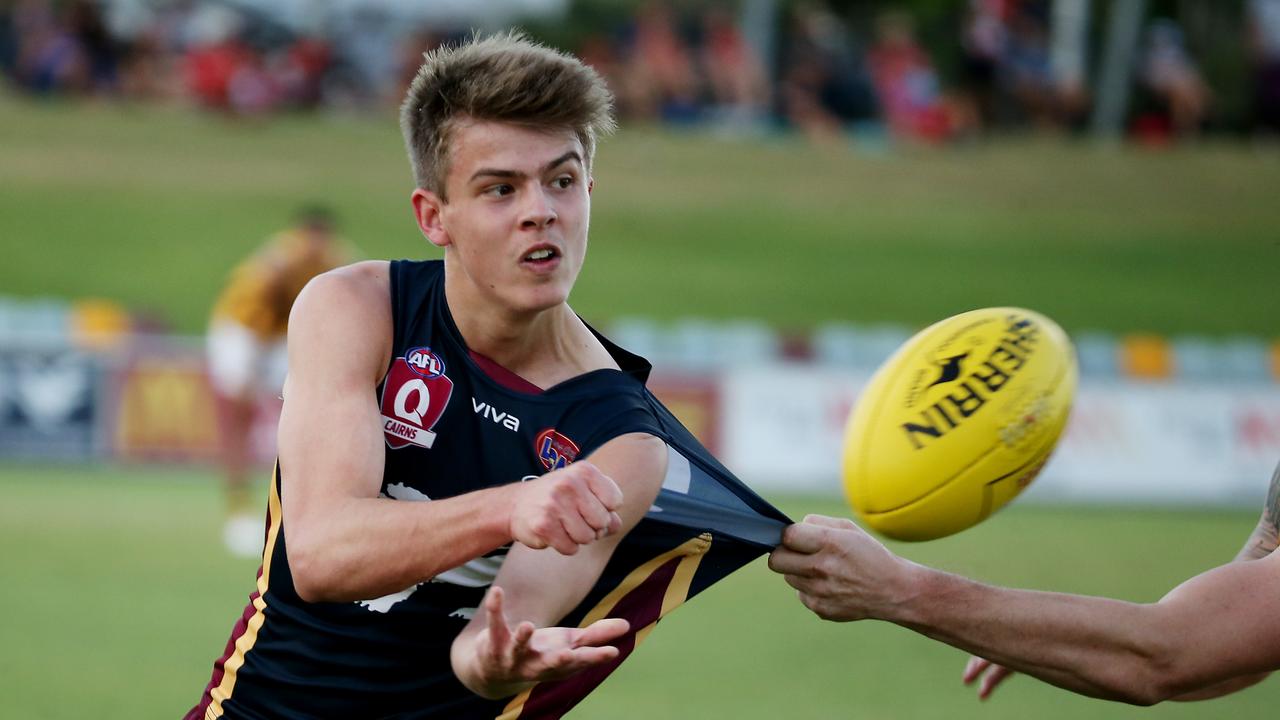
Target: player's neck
{"x":545,"y":347}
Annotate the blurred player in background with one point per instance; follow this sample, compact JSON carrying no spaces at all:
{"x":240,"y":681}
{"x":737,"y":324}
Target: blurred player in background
{"x":1216,"y":633}
{"x":455,"y":521}
{"x":246,"y":351}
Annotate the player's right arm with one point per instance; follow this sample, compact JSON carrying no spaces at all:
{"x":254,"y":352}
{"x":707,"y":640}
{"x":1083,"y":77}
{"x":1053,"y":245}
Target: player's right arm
{"x":1262,"y":543}
{"x":345,"y":542}
{"x":1214,"y":628}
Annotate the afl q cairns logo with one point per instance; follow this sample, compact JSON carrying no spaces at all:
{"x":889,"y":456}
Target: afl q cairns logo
{"x":414,"y":397}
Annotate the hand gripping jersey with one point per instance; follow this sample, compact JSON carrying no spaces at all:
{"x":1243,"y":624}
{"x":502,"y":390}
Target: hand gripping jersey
{"x":450,"y":429}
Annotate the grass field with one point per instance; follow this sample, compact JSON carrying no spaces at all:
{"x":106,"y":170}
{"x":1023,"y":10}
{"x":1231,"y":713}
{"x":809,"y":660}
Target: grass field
{"x":153,"y":207}
{"x":117,"y":596}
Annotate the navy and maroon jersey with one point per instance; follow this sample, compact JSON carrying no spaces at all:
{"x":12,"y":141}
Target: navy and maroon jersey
{"x":454,"y":424}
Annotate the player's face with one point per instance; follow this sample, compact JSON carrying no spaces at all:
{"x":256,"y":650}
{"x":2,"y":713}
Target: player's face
{"x":517,"y":215}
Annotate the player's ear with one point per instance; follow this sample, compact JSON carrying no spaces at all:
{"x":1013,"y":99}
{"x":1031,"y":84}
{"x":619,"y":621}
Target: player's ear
{"x":426,"y":209}
{"x":591,"y":184}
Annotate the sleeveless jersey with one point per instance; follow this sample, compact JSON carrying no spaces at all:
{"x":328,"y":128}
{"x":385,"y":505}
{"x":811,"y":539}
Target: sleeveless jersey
{"x":449,"y":429}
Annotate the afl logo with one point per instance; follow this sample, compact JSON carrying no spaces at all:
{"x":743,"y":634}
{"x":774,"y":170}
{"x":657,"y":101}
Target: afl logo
{"x":424,"y":362}
{"x":555,"y":450}
{"x":413,"y":400}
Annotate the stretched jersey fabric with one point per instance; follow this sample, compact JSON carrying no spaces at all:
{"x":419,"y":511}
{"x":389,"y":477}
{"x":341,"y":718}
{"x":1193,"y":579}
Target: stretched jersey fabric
{"x":263,"y":287}
{"x":449,"y":429}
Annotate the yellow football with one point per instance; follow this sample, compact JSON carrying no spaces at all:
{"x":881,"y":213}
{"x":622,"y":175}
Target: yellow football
{"x":957,"y":422}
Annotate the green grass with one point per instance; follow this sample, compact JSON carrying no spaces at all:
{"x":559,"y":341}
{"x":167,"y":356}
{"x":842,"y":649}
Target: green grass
{"x":117,"y":596}
{"x":153,"y":207}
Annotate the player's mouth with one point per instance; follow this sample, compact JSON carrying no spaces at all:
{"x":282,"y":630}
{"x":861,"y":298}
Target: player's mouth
{"x":541,"y":257}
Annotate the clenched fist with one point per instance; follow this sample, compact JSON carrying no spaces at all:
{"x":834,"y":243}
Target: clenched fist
{"x":566,"y":508}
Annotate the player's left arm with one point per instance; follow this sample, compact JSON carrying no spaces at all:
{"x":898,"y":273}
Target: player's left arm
{"x":509,"y":645}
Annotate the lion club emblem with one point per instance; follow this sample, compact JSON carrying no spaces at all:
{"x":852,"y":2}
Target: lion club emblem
{"x":414,"y":397}
{"x":555,"y":450}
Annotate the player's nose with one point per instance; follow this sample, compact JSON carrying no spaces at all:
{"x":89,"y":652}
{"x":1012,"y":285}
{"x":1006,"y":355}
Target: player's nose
{"x":538,"y":212}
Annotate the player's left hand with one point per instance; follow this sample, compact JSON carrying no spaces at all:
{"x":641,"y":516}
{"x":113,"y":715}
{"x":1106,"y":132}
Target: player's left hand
{"x":508,"y":659}
{"x":991,"y":674}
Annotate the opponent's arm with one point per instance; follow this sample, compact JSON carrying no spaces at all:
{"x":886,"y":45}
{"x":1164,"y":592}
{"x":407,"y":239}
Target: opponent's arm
{"x":1261,"y":543}
{"x":1217,"y":626}
{"x":345,"y":542}
{"x":508,"y":645}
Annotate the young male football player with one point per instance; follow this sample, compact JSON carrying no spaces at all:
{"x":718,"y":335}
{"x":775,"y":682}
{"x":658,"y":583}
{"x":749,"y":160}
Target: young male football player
{"x":456,"y":517}
{"x":1212,"y":635}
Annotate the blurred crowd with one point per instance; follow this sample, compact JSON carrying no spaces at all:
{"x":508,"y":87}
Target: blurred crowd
{"x":826,"y":69}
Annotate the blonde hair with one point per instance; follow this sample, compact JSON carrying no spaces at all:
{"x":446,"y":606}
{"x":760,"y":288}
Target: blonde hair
{"x":502,"y":78}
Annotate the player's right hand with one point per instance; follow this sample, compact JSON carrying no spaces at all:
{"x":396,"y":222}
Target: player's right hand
{"x":566,"y":508}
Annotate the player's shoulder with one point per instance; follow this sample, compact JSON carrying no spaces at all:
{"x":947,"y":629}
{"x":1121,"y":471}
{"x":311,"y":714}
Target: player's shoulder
{"x":345,"y":308}
{"x":352,"y":294}
{"x":365,"y":283}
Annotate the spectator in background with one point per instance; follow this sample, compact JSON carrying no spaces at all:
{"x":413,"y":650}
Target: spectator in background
{"x":982,"y":43}
{"x":8,"y":42}
{"x":1173,"y":79}
{"x":1264,"y":45}
{"x":605,"y":55}
{"x":1027,"y":74}
{"x":214,"y":54}
{"x":48,"y":57}
{"x":246,"y":350}
{"x":659,"y":81}
{"x":141,"y":67}
{"x":1068,"y":61}
{"x":735,"y":76}
{"x":905,"y":81}
{"x":299,"y":69}
{"x":83,"y":20}
{"x":366,"y":55}
{"x":823,"y":88}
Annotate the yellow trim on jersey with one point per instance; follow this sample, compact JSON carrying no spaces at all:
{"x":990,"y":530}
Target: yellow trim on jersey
{"x":690,"y":554}
{"x":245,"y":642}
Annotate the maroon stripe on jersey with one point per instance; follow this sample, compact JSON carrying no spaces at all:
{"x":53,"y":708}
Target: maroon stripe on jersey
{"x":503,"y":376}
{"x":197,"y":712}
{"x":641,"y":607}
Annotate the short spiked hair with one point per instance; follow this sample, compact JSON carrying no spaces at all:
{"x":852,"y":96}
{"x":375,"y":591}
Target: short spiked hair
{"x":499,"y":78}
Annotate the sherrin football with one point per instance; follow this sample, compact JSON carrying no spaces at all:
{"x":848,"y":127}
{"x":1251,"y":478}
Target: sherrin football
{"x":957,"y":422}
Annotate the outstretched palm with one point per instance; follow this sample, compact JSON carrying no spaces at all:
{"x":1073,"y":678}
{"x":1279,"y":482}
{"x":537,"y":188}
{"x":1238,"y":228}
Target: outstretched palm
{"x":526,"y":654}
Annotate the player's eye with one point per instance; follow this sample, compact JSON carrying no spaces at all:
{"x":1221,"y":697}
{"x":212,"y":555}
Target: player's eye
{"x":564,"y":182}
{"x":500,"y":190}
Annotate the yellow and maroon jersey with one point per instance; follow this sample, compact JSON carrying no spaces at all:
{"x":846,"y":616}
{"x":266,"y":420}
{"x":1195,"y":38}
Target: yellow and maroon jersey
{"x":263,"y":287}
{"x":452,"y":423}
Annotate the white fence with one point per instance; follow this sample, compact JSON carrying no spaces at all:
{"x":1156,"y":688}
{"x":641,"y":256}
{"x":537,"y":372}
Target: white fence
{"x":781,"y":428}
{"x":778,"y":425}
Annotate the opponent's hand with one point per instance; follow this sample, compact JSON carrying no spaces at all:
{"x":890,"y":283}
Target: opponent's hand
{"x":1266,"y":536}
{"x":506,"y":660}
{"x":566,"y":508}
{"x":841,"y":572}
{"x":991,"y":673}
